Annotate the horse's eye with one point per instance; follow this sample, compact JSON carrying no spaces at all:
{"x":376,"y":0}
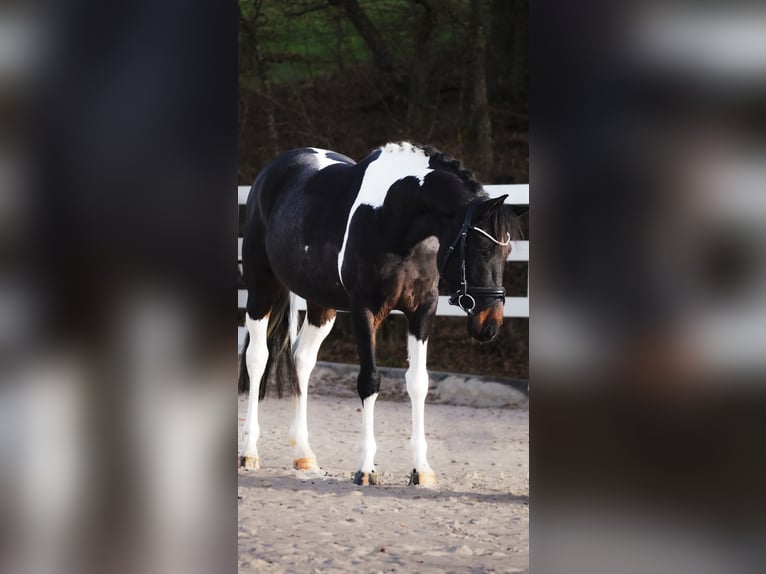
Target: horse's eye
{"x":485,"y":254}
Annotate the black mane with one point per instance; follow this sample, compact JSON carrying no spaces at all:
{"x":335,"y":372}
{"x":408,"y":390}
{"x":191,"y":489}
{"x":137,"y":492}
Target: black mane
{"x":502,"y":221}
{"x":444,"y":160}
{"x":455,"y":165}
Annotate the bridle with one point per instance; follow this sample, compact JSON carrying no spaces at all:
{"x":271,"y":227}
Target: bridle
{"x":465,"y":296}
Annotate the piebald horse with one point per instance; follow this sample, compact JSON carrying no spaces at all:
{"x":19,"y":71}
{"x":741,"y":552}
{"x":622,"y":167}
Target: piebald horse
{"x":367,"y":238}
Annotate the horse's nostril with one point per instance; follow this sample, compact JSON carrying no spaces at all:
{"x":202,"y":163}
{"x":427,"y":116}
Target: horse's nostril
{"x":485,"y":332}
{"x":489,"y":332}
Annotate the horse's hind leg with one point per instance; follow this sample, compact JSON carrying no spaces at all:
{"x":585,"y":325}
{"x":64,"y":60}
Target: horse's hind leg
{"x":256,"y":356}
{"x":316,"y":327}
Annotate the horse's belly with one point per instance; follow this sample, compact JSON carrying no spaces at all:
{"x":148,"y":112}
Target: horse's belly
{"x":312,"y":273}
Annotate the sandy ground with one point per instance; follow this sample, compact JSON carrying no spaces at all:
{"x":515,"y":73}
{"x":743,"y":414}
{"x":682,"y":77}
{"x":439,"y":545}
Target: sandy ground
{"x":475,"y":520}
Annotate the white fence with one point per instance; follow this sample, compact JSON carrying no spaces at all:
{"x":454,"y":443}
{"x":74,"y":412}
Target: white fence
{"x":514,"y":306}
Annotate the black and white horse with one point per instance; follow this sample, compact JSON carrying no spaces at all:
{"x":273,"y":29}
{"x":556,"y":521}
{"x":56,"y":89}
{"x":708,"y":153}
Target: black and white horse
{"x":368,"y":238}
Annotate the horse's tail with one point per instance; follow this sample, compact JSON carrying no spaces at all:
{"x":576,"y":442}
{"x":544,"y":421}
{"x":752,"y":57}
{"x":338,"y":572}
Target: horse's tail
{"x":244,"y":377}
{"x":294,"y":318}
{"x":278,"y":341}
{"x":280,"y":349}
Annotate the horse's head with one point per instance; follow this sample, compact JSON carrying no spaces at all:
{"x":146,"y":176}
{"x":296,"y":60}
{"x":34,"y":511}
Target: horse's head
{"x":472,"y":261}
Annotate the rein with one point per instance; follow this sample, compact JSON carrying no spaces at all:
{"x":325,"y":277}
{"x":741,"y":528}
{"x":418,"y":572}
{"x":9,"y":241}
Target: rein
{"x":465,"y":296}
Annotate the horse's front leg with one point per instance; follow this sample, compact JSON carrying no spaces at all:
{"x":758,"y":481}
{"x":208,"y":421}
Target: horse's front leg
{"x":368,"y":385}
{"x":416,"y":378}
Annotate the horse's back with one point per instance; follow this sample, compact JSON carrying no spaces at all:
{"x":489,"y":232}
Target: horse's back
{"x":290,"y":171}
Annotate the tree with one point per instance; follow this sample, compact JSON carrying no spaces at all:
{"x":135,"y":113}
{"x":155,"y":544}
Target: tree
{"x":421,"y":62}
{"x":252,"y":56}
{"x":480,"y":117}
{"x":509,"y":54}
{"x":367,"y":30}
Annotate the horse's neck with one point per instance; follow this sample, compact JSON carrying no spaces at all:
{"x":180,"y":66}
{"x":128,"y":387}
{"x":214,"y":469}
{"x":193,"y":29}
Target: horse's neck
{"x":429,"y":223}
{"x":422,"y":226}
{"x":420,"y":201}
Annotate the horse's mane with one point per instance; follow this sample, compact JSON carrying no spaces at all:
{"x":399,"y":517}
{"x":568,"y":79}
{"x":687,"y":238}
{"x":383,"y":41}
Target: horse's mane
{"x":455,"y":165}
{"x":442,"y":159}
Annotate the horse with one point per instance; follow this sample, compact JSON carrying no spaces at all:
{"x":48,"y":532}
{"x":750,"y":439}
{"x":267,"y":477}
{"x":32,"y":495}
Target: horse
{"x":367,"y":238}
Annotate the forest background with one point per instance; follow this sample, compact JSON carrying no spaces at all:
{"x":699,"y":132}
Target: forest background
{"x":350,"y":75}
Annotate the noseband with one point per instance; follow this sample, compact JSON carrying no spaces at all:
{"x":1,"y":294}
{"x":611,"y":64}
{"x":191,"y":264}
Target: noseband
{"x":465,"y":296}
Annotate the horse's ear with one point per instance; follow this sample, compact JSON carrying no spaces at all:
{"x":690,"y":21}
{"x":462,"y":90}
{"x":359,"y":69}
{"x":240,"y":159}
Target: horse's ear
{"x":488,"y":206}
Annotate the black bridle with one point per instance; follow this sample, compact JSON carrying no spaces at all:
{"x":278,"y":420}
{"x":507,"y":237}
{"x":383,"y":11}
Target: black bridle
{"x":465,"y":296}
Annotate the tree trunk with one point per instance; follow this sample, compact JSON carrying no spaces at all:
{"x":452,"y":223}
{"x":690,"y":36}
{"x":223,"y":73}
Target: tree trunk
{"x":520,"y":54}
{"x":421,"y":64}
{"x":268,"y":100}
{"x":380,"y":54}
{"x":251,"y":29}
{"x":500,"y":58}
{"x":508,"y":57}
{"x":481,"y":120}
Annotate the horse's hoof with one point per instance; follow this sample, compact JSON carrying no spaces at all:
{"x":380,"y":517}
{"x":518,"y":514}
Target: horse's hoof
{"x":366,"y":478}
{"x":422,"y":478}
{"x":249,"y":462}
{"x":309,"y":464}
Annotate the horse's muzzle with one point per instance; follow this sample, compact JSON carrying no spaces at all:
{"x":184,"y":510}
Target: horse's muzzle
{"x":485,"y":324}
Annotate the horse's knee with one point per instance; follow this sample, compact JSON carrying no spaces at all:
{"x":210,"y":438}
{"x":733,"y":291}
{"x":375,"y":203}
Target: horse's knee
{"x":416,"y":376}
{"x":417,"y":383}
{"x":368,"y":384}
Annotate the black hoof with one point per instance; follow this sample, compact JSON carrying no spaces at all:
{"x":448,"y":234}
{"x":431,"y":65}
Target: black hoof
{"x":366,"y":479}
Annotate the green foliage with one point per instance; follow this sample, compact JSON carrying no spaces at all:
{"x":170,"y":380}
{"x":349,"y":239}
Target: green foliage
{"x":296,"y":44}
{"x":301,"y":39}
